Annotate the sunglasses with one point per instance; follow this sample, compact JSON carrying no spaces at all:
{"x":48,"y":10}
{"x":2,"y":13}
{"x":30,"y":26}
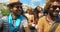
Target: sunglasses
{"x":54,"y":7}
{"x":17,"y":6}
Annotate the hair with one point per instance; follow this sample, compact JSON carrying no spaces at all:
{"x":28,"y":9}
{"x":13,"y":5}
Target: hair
{"x":36,"y":11}
{"x":29,"y":8}
{"x":48,"y":4}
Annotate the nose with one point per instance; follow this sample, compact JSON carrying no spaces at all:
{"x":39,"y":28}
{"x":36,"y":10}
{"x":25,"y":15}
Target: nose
{"x":19,"y":8}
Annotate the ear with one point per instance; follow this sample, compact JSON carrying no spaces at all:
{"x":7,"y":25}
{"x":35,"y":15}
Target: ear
{"x":11,"y":10}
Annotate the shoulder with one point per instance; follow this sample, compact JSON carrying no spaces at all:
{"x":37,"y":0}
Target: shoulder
{"x":23,"y":18}
{"x":42,"y":18}
{"x":4,"y":18}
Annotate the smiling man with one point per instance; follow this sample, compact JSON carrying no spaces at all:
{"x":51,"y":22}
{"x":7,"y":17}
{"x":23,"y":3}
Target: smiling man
{"x":15,"y":22}
{"x":49,"y":22}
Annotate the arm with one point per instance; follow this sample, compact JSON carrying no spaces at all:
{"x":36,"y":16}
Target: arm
{"x":40,"y":26}
{"x":0,"y":25}
{"x":5,"y":24}
{"x":27,"y":29}
{"x":25,"y":25}
{"x":33,"y":21}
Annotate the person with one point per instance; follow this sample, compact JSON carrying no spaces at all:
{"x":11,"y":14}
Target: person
{"x":39,"y":11}
{"x":16,"y":21}
{"x":48,"y":23}
{"x":30,"y":17}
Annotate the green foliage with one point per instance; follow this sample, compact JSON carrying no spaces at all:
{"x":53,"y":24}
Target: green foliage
{"x":5,"y":12}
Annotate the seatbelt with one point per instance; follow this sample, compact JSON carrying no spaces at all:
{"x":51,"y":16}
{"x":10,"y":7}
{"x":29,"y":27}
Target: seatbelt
{"x":54,"y":28}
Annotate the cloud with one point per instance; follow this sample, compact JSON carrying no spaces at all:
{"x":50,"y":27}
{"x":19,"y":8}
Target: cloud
{"x":1,"y":1}
{"x":25,"y":4}
{"x":6,"y":0}
{"x":35,"y":0}
{"x":43,"y":5}
{"x":33,"y":3}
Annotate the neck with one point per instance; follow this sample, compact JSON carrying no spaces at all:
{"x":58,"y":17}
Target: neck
{"x":14,"y":16}
{"x":50,"y":18}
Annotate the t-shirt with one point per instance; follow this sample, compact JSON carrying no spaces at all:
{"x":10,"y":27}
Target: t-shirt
{"x":44,"y":24}
{"x":4,"y":22}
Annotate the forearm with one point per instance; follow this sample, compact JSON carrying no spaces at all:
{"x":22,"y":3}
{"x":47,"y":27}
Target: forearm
{"x":5,"y":27}
{"x":40,"y":30}
{"x":27,"y":29}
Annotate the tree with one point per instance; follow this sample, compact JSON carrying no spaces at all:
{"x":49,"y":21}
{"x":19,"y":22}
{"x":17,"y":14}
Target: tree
{"x":5,"y":12}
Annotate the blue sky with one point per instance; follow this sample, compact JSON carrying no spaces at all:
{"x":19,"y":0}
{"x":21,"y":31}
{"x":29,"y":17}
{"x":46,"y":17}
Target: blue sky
{"x":32,"y":3}
{"x":5,"y":1}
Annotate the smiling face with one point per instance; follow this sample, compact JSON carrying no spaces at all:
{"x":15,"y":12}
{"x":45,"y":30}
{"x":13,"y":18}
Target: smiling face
{"x":54,"y":9}
{"x":17,"y":9}
{"x":39,"y":9}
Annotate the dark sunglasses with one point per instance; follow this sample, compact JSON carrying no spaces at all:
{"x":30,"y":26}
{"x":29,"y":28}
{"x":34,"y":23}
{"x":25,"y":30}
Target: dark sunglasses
{"x":17,"y":6}
{"x":54,"y":7}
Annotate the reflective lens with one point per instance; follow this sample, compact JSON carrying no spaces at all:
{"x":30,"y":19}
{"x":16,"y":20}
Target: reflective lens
{"x":54,"y":7}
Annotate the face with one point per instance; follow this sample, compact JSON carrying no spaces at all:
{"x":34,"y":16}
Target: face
{"x":17,"y":9}
{"x":39,"y":9}
{"x":54,"y":9}
{"x":29,"y":11}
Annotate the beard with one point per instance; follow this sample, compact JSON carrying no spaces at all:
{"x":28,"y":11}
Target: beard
{"x":52,"y":16}
{"x":17,"y":13}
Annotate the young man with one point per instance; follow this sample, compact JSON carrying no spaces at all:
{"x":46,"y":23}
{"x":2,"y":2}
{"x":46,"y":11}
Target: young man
{"x":47,"y":23}
{"x":15,"y":22}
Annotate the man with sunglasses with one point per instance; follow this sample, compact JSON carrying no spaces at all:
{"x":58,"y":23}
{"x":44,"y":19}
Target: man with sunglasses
{"x":48,"y":23}
{"x":15,"y":22}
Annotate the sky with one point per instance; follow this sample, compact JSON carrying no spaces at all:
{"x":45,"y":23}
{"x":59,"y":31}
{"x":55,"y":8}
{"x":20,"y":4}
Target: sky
{"x":32,"y":3}
{"x":4,"y":1}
